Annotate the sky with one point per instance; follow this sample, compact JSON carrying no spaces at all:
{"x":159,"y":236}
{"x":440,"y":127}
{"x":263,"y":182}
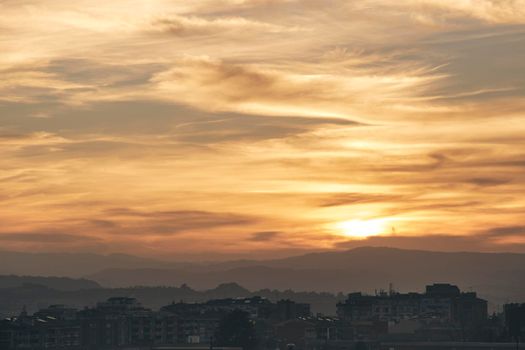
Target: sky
{"x":261,"y":128}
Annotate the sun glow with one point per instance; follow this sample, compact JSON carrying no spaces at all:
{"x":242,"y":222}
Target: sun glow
{"x":362,"y":228}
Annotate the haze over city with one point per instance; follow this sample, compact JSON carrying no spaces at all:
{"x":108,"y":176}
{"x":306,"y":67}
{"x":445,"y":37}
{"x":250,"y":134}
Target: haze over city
{"x":225,"y":129}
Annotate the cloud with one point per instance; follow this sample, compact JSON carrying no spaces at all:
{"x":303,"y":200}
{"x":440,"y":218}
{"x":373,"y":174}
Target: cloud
{"x":199,"y":26}
{"x":484,"y":181}
{"x":258,"y":90}
{"x":101,"y":74}
{"x":493,"y":11}
{"x":471,"y":80}
{"x":206,"y":120}
{"x":129,"y":221}
{"x":31,"y":139}
{"x":439,"y":242}
{"x":493,"y":239}
{"x":357,"y":198}
{"x":504,"y":231}
{"x":264,"y":236}
{"x":45,"y":237}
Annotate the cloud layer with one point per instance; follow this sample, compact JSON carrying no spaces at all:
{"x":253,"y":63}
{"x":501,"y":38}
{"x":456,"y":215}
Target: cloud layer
{"x":267,"y":126}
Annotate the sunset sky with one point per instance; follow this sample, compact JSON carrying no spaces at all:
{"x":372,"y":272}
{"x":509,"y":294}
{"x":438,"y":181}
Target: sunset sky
{"x":219,"y":129}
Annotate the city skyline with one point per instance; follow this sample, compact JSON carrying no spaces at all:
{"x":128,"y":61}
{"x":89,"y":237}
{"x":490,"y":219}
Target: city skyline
{"x":261,"y":128}
{"x":442,"y":313}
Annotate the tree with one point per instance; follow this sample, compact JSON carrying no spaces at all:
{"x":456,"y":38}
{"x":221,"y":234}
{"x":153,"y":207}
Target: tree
{"x":236,"y":329}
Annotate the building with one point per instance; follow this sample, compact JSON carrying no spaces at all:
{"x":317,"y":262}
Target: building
{"x":444,"y":302}
{"x":197,"y":322}
{"x":437,"y":318}
{"x":443,"y":312}
{"x":322,"y":332}
{"x":515,"y":321}
{"x":289,"y":310}
{"x":48,"y":329}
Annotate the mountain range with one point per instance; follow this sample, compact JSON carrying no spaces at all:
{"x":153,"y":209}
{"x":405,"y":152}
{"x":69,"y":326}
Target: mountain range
{"x":33,"y":297}
{"x":498,"y":277}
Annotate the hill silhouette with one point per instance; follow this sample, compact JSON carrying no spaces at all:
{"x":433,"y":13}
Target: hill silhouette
{"x":498,"y":277}
{"x":69,"y":264}
{"x":58,"y":283}
{"x":33,"y":297}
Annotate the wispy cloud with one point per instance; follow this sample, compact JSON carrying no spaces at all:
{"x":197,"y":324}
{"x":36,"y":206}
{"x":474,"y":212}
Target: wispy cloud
{"x":261,"y":124}
{"x":264,"y":236}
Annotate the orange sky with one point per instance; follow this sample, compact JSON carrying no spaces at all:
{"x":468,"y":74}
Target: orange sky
{"x":261,"y":128}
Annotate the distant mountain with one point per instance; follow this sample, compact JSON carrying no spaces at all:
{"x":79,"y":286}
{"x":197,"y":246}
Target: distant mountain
{"x":227,"y":290}
{"x":253,"y":277}
{"x":34,"y":297}
{"x":496,"y":276}
{"x":70,"y":264}
{"x":58,"y":283}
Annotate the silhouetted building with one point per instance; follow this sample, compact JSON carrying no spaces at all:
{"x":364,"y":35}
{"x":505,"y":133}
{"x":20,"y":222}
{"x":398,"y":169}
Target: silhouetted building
{"x":48,"y":329}
{"x":443,"y":311}
{"x":440,"y":301}
{"x":515,"y":321}
{"x":197,"y":322}
{"x":289,"y":310}
{"x":257,"y":307}
{"x":107,"y":324}
{"x":327,"y":333}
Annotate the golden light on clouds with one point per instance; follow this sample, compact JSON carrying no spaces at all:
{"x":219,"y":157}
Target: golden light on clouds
{"x":261,"y":128}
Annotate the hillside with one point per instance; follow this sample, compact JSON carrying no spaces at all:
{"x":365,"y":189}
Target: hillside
{"x":69,"y":264}
{"x":497,"y":276}
{"x":58,"y":283}
{"x":34,"y":297}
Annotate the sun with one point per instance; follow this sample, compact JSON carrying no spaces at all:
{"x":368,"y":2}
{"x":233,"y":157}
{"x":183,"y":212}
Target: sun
{"x":362,"y":228}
